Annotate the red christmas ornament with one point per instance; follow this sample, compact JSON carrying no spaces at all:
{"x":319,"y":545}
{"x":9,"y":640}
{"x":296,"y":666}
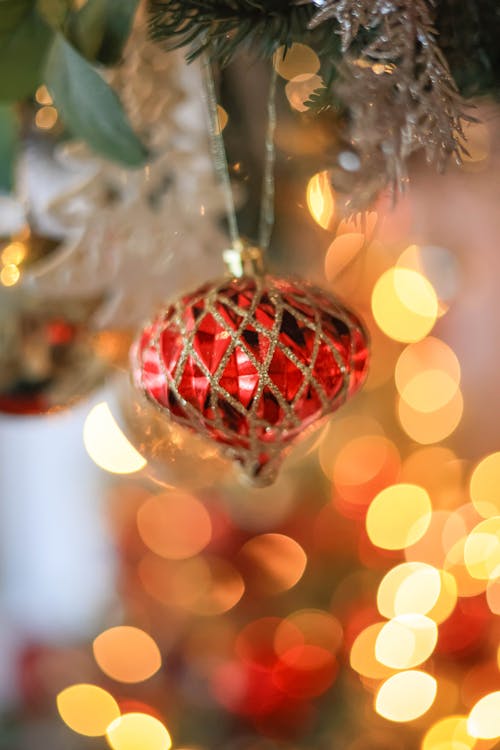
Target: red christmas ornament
{"x":252,"y":362}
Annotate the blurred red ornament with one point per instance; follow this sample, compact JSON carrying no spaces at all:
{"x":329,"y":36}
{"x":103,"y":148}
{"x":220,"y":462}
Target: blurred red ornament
{"x":60,"y":332}
{"x":26,"y":404}
{"x":252,"y":362}
{"x":48,"y":360}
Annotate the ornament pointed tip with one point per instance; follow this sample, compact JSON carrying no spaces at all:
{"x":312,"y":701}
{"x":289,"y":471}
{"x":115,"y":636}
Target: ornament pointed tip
{"x":258,"y":474}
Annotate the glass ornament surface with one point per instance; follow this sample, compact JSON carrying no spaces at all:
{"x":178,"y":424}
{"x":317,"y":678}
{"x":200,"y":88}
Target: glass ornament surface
{"x":251,"y":363}
{"x":48,"y":354}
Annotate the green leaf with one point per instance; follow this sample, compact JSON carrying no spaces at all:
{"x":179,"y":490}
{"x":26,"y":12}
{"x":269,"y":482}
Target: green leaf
{"x":23,"y":49}
{"x":85,"y":28}
{"x":100,"y":29}
{"x":12,"y":13}
{"x":8,"y":146}
{"x":54,"y":11}
{"x":89,"y":107}
{"x":119,"y":19}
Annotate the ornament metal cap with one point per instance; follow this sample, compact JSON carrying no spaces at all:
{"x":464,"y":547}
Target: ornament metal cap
{"x":245,"y":260}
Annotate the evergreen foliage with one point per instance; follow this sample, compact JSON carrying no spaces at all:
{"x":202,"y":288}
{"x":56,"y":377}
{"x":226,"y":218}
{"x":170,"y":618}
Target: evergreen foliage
{"x":468,"y":33}
{"x":33,"y":33}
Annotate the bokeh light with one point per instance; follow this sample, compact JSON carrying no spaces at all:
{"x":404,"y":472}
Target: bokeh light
{"x":363,"y":467}
{"x":493,"y":595}
{"x":338,"y":432}
{"x":448,"y":598}
{"x":398,"y":516}
{"x":257,"y":692}
{"x":42,"y":95}
{"x":408,"y":588}
{"x":439,"y":265}
{"x":434,"y":545}
{"x":87,"y":709}
{"x":296,"y":60}
{"x":222,"y":118}
{"x":10,"y":275}
{"x":312,"y":627}
{"x":305,"y":671}
{"x":127,"y":654}
{"x":404,"y":305}
{"x":406,"y":641}
{"x":485,"y":486}
{"x":14,"y":253}
{"x":205,"y":585}
{"x":434,"y":468}
{"x":106,"y":444}
{"x":137,"y":731}
{"x":256,"y":640}
{"x":484,"y":718}
{"x":279,"y":659}
{"x":481,"y":678}
{"x":364,"y":223}
{"x":342,"y":251}
{"x":467,"y":585}
{"x":216,"y":585}
{"x":271,"y":563}
{"x":406,"y":696}
{"x":482,"y":549}
{"x":46,"y":118}
{"x":174,"y":525}
{"x":429,"y":390}
{"x":449,"y":733}
{"x":431,"y":426}
{"x":427,"y":375}
{"x":299,"y":90}
{"x":321,"y":199}
{"x":362,"y":655}
{"x":174,"y":584}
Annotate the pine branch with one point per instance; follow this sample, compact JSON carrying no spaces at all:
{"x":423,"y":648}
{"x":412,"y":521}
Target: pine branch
{"x":468,"y":32}
{"x":385,"y":73}
{"x":225,"y":26}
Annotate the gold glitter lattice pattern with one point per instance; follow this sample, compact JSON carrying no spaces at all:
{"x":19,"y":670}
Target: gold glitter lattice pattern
{"x":251,"y":363}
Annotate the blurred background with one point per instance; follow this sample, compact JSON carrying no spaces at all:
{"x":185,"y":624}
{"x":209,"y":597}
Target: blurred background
{"x":151,"y":599}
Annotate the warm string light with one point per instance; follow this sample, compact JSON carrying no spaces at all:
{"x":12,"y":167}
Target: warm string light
{"x":296,"y":60}
{"x":321,"y":200}
{"x":106,"y":444}
{"x":450,"y":556}
{"x":128,"y":655}
{"x":12,"y":256}
{"x":46,"y":116}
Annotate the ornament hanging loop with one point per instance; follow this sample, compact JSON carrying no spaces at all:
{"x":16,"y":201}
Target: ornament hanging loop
{"x":266,"y":221}
{"x":243,"y":258}
{"x":247,"y":261}
{"x":219,"y":154}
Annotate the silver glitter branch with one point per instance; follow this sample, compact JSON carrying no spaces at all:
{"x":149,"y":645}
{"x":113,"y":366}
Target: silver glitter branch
{"x":351,"y":15}
{"x":397,"y":86}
